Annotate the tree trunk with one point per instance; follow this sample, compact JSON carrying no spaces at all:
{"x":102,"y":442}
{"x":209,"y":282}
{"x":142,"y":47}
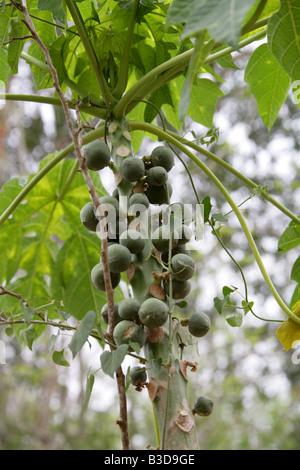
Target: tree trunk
{"x":167,"y":385}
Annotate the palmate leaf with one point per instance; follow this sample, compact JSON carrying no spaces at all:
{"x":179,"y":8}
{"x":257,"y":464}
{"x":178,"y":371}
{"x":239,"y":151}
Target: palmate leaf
{"x":284,"y":37}
{"x":46,"y":253}
{"x":222,"y":18}
{"x":57,"y":8}
{"x":203,"y":98}
{"x":269,"y":83}
{"x":290,"y":238}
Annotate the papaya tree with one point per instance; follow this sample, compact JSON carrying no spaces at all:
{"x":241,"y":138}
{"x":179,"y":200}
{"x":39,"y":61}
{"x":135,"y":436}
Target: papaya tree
{"x":119,"y":267}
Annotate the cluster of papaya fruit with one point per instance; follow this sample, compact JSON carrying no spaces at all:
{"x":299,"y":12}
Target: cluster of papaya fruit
{"x":150,"y":174}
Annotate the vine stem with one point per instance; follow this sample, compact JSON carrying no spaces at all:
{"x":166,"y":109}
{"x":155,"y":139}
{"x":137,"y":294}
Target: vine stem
{"x":178,"y":62}
{"x":91,"y":110}
{"x":136,"y":125}
{"x":235,"y":172}
{"x":77,"y":142}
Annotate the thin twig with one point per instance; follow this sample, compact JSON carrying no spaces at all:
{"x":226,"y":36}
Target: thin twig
{"x":77,"y":139}
{"x":29,"y":36}
{"x":4,"y":291}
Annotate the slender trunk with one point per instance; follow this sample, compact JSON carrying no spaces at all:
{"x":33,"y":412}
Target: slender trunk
{"x":168,"y":392}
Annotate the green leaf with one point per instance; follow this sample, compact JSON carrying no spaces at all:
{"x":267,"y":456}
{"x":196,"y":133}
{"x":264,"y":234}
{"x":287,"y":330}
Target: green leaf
{"x":295,"y":275}
{"x":227,"y":62}
{"x":207,"y":207}
{"x":269,"y":83}
{"x":28,"y":312}
{"x":181,"y":304}
{"x":158,"y":98}
{"x":53,"y":341}
{"x":28,"y":335}
{"x":222,"y":18}
{"x":4,"y":23}
{"x":180,"y":11}
{"x":58,"y":358}
{"x":200,"y":52}
{"x":295,"y":296}
{"x":88,"y":391}
{"x":45,"y":239}
{"x":82,"y":333}
{"x":111,"y":360}
{"x":234,"y":319}
{"x":220,"y":304}
{"x":247,"y":306}
{"x":47,"y":33}
{"x":15,"y":48}
{"x":218,"y":217}
{"x":284,"y":37}
{"x":4,"y":67}
{"x":228,"y":290}
{"x":290,"y":238}
{"x":204,"y":95}
{"x":57,"y":8}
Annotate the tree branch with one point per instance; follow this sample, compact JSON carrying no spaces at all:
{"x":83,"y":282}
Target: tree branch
{"x":77,"y":140}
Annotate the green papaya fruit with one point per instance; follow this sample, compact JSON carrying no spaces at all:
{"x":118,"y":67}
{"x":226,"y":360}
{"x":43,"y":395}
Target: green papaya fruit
{"x":88,"y":217}
{"x":97,"y":276}
{"x":128,"y":331}
{"x":199,"y":324}
{"x":203,"y":406}
{"x":119,"y":258}
{"x":183,"y":267}
{"x":153,"y":313}
{"x":132,"y":169}
{"x":97,"y":155}
{"x":157,"y":176}
{"x":162,"y":156}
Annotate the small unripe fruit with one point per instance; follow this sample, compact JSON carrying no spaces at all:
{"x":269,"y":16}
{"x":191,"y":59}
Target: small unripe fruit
{"x":104,"y":314}
{"x":162,"y":156}
{"x":129,"y":309}
{"x":159,"y":194}
{"x":183,"y":267}
{"x":203,"y":406}
{"x":157,"y":176}
{"x":161,"y":238}
{"x":138,"y":375}
{"x":133,"y":240}
{"x":107,"y":202}
{"x":132,"y":169}
{"x":127,"y":331}
{"x":119,"y":258}
{"x":88,"y":217}
{"x":97,"y":276}
{"x":153,"y":313}
{"x":199,"y":324}
{"x":97,"y":155}
{"x":139,"y":198}
{"x":180,"y":289}
{"x":175,"y":251}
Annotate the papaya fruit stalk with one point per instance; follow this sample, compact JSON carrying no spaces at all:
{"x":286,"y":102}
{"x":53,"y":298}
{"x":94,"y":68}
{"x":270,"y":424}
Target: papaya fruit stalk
{"x":162,"y":345}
